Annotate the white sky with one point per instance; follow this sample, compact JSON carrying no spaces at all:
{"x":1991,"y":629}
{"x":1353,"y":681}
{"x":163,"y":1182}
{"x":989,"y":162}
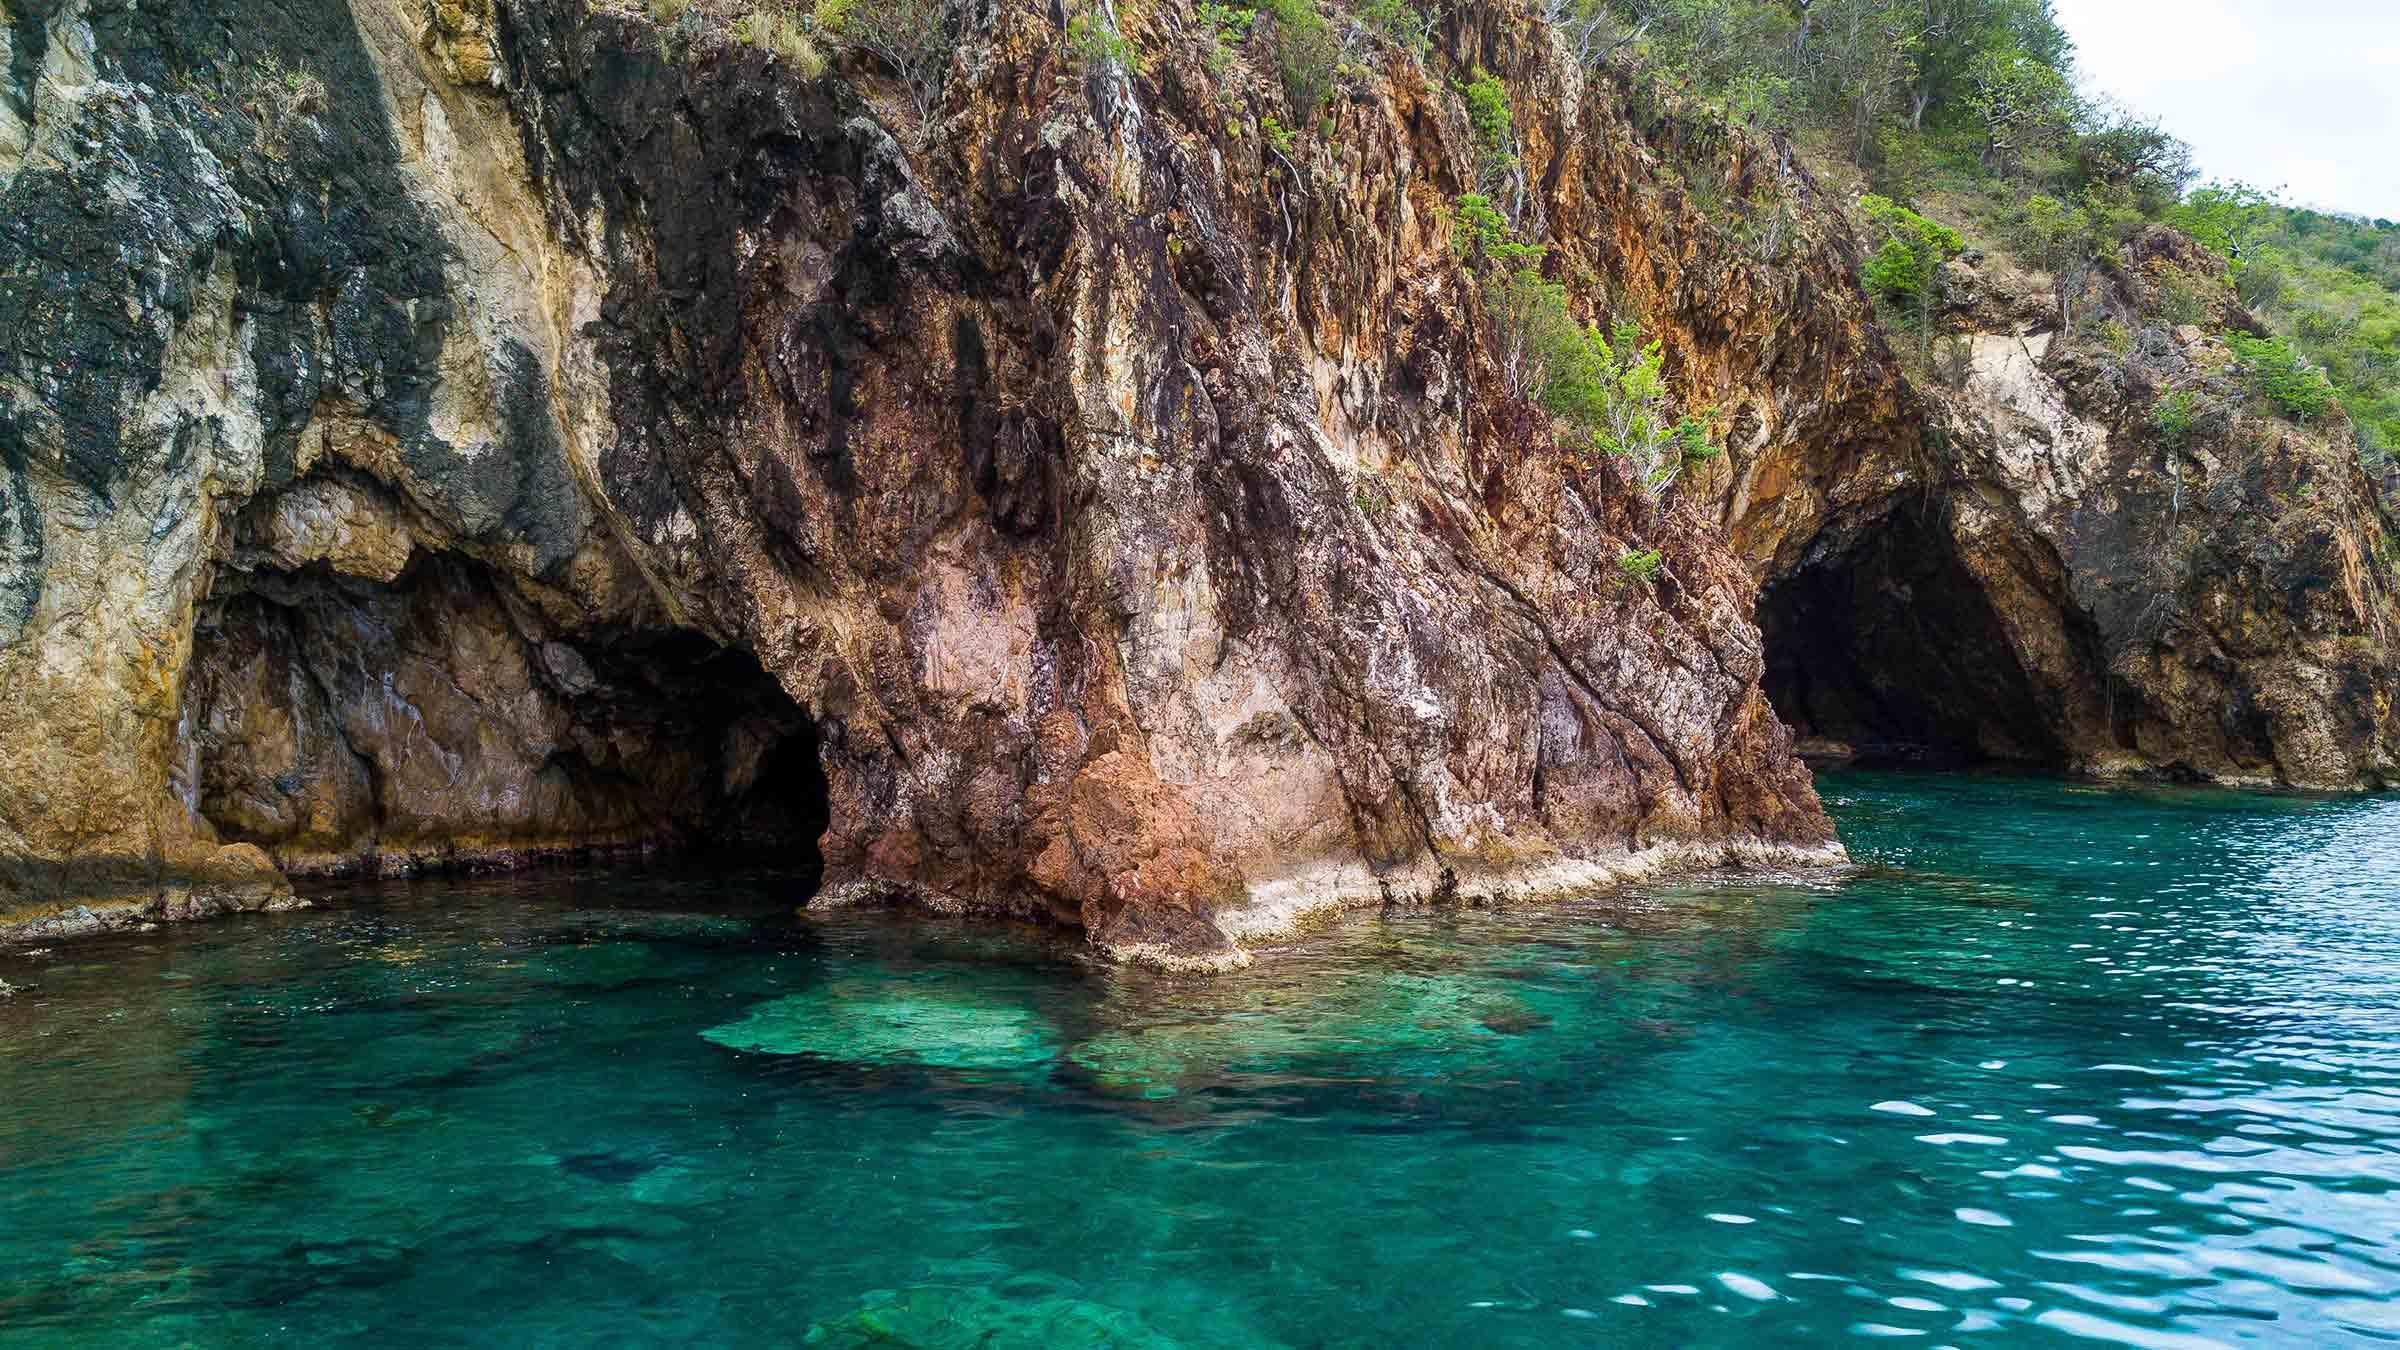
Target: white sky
{"x":2299,"y":93}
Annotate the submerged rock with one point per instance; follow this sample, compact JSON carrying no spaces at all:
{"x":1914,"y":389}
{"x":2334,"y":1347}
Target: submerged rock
{"x":664,"y":925}
{"x":1314,"y":1022}
{"x":865,"y":1022}
{"x":594,"y":965}
{"x":937,"y":1318}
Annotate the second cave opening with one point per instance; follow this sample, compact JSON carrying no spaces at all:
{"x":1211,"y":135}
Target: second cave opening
{"x":1884,"y":649}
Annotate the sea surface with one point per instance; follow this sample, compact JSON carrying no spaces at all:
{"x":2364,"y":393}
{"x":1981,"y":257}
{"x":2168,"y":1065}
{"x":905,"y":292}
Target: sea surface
{"x":2057,"y":1065}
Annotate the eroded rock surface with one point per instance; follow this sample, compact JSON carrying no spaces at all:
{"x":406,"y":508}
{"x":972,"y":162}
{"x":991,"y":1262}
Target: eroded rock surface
{"x":452,"y":434}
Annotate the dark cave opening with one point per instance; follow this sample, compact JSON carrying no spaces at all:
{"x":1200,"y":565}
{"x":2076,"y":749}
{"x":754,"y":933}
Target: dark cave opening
{"x":1886,"y":650}
{"x":761,"y":797}
{"x":438,"y":722}
{"x":785,"y":810}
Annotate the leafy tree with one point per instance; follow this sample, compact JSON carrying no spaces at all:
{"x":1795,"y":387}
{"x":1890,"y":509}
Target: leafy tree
{"x":1593,"y":29}
{"x":1867,"y":49}
{"x":2288,"y":381}
{"x":2384,"y":265}
{"x":2230,"y":219}
{"x":2019,"y":103}
{"x":1759,"y":96}
{"x":1952,"y":34}
{"x":1713,"y":38}
{"x":2117,"y":148}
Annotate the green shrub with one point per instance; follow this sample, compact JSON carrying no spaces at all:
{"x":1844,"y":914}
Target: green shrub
{"x":2263,"y":283}
{"x":2115,"y":214}
{"x":1487,"y":108}
{"x":2062,"y":240}
{"x":1400,"y":21}
{"x":1097,"y":40}
{"x":777,"y":29}
{"x":1535,"y":332}
{"x":1228,"y":27}
{"x":1893,"y":273}
{"x":2275,"y":370}
{"x":1306,"y":52}
{"x":1906,"y":270}
{"x":2186,"y":297}
{"x":1613,"y":389}
{"x":1477,"y":228}
{"x":1495,"y":129}
{"x":1640,"y":566}
{"x":1481,"y":234}
{"x":1277,"y":135}
{"x":2171,"y":419}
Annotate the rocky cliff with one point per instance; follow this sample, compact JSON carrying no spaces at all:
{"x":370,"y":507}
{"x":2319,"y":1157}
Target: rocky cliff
{"x":2065,"y":582}
{"x":451,"y":434}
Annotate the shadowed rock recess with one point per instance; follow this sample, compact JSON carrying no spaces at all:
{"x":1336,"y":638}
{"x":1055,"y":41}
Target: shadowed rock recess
{"x":457,"y":434}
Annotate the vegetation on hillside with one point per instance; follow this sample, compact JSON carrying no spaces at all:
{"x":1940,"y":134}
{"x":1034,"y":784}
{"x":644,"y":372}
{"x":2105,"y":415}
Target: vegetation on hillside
{"x":1960,"y":116}
{"x":2331,"y":286}
{"x":1966,"y":112}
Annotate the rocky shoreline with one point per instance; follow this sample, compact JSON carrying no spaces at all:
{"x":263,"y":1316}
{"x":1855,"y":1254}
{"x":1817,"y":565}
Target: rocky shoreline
{"x":505,"y":428}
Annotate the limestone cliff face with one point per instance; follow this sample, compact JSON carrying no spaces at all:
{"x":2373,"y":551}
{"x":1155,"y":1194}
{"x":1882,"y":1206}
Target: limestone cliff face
{"x":450,"y":434}
{"x":2061,"y":584}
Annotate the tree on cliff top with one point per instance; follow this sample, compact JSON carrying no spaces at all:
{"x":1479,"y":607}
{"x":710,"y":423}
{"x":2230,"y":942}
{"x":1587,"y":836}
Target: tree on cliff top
{"x":2230,"y":219}
{"x":1973,"y":113}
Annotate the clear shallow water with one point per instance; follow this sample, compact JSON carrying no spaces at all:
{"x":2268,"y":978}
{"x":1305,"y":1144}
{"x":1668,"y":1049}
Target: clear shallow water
{"x":2062,"y":1066}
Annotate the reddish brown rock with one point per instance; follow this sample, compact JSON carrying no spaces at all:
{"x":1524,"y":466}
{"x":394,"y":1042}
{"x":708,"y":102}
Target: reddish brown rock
{"x":572,"y":433}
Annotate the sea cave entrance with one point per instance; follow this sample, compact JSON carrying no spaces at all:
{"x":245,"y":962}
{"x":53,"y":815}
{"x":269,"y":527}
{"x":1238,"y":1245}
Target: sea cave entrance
{"x":1884,"y":649}
{"x":435,"y":721}
{"x":756,"y":792}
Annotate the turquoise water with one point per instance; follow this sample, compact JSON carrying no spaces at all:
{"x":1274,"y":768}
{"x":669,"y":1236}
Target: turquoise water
{"x":2061,"y":1065}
